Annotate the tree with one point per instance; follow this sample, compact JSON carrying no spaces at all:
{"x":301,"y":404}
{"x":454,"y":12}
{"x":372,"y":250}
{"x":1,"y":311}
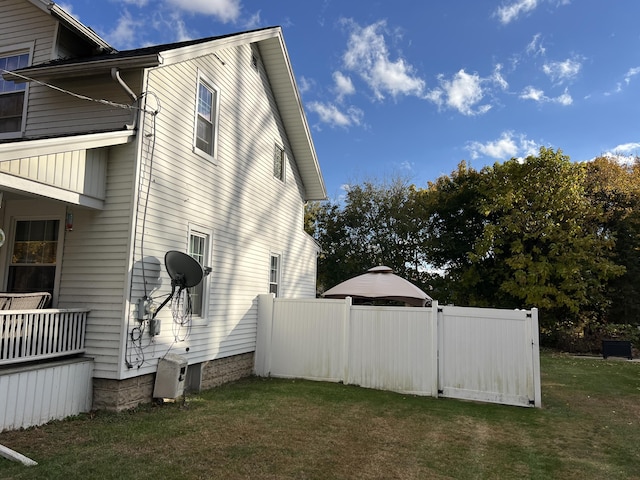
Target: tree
{"x":374,"y":225}
{"x":614,"y":188}
{"x":539,"y":246}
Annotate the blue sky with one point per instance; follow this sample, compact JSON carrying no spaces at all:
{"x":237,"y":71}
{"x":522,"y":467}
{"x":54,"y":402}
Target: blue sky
{"x":407,"y":88}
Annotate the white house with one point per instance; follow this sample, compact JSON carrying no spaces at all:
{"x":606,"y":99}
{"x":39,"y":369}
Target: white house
{"x":109,"y":159}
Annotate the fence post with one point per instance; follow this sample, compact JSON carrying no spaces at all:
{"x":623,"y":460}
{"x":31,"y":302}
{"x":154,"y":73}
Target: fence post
{"x":435,"y":354}
{"x":535,"y":351}
{"x":346,"y":339}
{"x":262,"y":362}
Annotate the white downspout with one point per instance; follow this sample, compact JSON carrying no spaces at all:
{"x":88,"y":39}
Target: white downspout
{"x":115,"y":74}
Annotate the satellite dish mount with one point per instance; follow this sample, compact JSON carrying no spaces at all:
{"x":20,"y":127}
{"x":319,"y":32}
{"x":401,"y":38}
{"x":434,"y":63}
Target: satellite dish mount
{"x":185,"y":272}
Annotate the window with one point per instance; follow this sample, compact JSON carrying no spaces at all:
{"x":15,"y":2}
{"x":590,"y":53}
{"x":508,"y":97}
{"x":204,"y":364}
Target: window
{"x":12,"y":94}
{"x":198,"y":249}
{"x":33,"y":259}
{"x":274,"y":274}
{"x":206,"y":128}
{"x":278,"y":162}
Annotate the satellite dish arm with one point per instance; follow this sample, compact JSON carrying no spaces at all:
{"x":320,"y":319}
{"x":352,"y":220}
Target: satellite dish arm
{"x":169,"y":297}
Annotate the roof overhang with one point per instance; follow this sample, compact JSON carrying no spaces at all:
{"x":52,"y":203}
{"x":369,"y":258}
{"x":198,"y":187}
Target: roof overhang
{"x":71,"y":22}
{"x":80,"y":69}
{"x":48,"y":146}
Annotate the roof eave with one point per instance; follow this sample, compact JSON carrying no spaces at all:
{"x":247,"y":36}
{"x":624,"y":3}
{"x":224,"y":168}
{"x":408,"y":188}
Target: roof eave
{"x":83,"y":68}
{"x":288,"y":98}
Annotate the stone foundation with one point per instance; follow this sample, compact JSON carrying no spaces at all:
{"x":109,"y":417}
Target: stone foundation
{"x":117,"y":395}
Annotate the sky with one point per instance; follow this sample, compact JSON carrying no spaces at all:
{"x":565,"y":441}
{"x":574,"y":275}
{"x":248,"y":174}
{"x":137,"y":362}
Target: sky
{"x":408,"y":89}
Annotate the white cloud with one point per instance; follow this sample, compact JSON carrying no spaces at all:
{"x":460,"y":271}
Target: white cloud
{"x":343,"y":85}
{"x":508,"y":146}
{"x":331,"y":114}
{"x":125,"y":34}
{"x":254,"y":21}
{"x":626,"y":153}
{"x":511,"y":11}
{"x":463,"y":92}
{"x":535,"y":47}
{"x":498,"y":78}
{"x":562,"y":71}
{"x":631,"y":73}
{"x":306,"y":84}
{"x":537,"y":95}
{"x":368,"y":56}
{"x":137,"y":3}
{"x":224,"y":10}
{"x":532,"y":93}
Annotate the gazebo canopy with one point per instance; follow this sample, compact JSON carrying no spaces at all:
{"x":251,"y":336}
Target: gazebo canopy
{"x":380,"y":283}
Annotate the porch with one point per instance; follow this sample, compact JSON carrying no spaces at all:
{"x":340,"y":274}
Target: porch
{"x":43,"y":375}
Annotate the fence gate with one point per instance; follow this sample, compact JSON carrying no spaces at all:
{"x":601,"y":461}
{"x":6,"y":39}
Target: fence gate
{"x":489,"y":355}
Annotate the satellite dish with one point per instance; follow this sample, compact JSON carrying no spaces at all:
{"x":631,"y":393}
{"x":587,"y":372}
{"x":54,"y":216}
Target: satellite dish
{"x":184,"y":270}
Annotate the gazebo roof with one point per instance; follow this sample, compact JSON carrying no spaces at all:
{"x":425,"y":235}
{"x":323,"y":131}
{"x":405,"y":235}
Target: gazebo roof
{"x":382,"y":284}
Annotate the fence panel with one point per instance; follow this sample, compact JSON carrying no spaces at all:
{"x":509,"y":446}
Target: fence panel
{"x":308,"y":339}
{"x":392,"y":348}
{"x":487,"y":355}
{"x":471,"y":353}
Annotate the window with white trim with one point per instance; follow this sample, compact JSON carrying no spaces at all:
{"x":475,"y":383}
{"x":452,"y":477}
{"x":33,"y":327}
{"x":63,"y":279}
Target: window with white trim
{"x":274,"y":274}
{"x":12,"y":94}
{"x":34,"y":256}
{"x":199,"y":250}
{"x":206,"y":122}
{"x":278,"y":162}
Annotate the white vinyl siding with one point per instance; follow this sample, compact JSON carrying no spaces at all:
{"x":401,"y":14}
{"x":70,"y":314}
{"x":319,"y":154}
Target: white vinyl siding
{"x":232,"y":197}
{"x":95,"y":264}
{"x":79,"y":171}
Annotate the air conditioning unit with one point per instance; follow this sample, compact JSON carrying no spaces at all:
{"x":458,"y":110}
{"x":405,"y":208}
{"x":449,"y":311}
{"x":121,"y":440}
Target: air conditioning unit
{"x":170,"y":377}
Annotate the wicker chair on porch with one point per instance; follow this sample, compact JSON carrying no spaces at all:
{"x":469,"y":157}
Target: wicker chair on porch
{"x":24,"y":301}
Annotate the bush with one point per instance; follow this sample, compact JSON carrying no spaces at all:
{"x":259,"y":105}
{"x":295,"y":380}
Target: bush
{"x":572,"y":339}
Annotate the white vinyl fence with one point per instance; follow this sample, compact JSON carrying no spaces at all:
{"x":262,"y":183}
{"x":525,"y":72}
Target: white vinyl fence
{"x":472,"y":353}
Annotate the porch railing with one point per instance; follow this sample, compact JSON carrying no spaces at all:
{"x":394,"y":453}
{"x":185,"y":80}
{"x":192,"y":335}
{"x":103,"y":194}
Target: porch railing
{"x":27,"y":335}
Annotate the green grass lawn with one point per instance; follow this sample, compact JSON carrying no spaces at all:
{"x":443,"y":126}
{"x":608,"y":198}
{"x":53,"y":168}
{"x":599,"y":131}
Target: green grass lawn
{"x":588,"y":428}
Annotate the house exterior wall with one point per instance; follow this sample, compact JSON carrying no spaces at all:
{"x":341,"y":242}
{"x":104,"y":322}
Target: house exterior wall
{"x":95,"y":265}
{"x":23,"y":23}
{"x":155,"y":190}
{"x":76,"y":115}
{"x":237,"y":200}
{"x":26,"y":26}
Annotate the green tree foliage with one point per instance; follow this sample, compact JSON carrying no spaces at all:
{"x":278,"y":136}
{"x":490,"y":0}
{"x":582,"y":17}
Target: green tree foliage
{"x":374,"y":225}
{"x":541,"y":245}
{"x":540,"y":232}
{"x":614,"y":188}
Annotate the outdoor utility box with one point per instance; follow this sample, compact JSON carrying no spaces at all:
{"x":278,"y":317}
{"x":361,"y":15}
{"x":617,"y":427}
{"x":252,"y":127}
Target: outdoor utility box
{"x":170,"y":377}
{"x":616,"y":348}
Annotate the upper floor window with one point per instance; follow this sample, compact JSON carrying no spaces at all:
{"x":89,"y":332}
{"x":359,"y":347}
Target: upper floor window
{"x":278,"y":162}
{"x":206,"y":128}
{"x":12,"y":94}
